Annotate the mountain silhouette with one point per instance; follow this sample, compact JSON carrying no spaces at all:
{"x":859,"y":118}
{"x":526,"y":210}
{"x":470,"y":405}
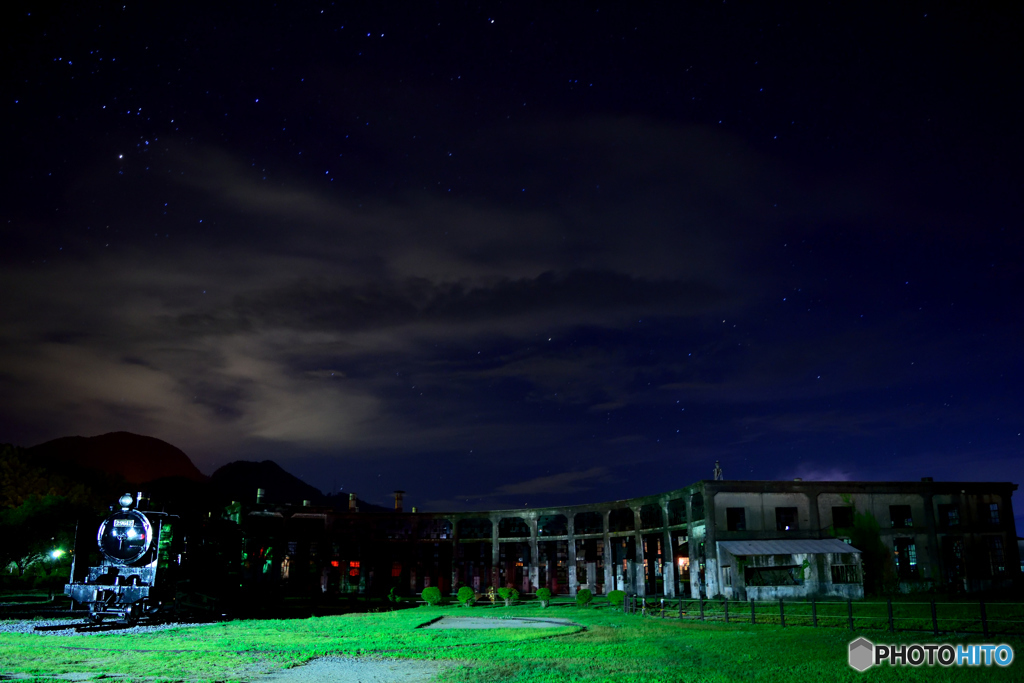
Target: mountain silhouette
{"x":139,"y":459}
{"x":239,"y":480}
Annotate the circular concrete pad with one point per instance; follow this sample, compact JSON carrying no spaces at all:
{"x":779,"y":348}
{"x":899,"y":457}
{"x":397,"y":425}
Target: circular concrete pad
{"x":485,"y":622}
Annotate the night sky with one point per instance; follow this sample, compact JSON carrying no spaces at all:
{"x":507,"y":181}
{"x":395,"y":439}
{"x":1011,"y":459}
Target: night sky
{"x":506,"y":254}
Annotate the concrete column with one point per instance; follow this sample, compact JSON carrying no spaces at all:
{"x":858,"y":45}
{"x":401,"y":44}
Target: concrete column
{"x":456,"y":578}
{"x":1010,"y":550}
{"x":668,"y":553}
{"x":640,"y":579}
{"x":710,"y":546}
{"x":934,"y":570}
{"x":609,"y":556}
{"x":534,"y":555}
{"x":495,"y":553}
{"x":813,"y":513}
{"x":571,"y":531}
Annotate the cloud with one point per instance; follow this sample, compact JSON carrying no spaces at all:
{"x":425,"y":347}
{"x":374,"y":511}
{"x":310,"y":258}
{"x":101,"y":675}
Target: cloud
{"x":811,"y":472}
{"x":562,"y":483}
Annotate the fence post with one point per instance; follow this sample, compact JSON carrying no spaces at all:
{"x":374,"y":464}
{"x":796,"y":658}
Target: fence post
{"x":849,"y":611}
{"x":753,"y":617}
{"x":935,"y":620}
{"x":984,"y":618}
{"x":782,"y":614}
{"x":726,"y":610}
{"x":680,"y":609}
{"x":888,"y":607}
{"x":814,"y":613}
{"x":702,"y":609}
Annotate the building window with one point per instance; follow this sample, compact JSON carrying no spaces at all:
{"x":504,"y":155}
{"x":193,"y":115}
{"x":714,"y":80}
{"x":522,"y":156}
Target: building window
{"x":949,"y":516}
{"x":996,"y":557}
{"x":792,"y":575}
{"x":993,"y":514}
{"x":727,"y":575}
{"x":736,"y":518}
{"x":845,"y":573}
{"x":785,"y":519}
{"x":906,"y":558}
{"x":953,"y":557}
{"x":842,"y":517}
{"x":900,"y":516}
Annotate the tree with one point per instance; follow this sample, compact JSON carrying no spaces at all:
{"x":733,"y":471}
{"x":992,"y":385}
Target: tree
{"x":509,"y":595}
{"x":35,"y":529}
{"x":431,"y":595}
{"x":467,"y":596}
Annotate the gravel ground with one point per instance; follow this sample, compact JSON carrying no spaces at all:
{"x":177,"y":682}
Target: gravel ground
{"x":29,"y":626}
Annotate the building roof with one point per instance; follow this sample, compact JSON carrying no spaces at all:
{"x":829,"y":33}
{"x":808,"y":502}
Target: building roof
{"x":787,"y":546}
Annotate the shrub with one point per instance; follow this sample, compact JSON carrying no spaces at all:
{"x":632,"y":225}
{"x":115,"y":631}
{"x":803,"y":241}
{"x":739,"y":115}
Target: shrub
{"x":467,"y":596}
{"x":393,"y":596}
{"x":432,"y":595}
{"x":544,"y":595}
{"x":584,"y":597}
{"x":509,"y":595}
{"x":616,"y":598}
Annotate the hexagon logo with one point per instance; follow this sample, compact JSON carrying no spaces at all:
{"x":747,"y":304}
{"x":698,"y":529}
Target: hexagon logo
{"x":862,"y":654}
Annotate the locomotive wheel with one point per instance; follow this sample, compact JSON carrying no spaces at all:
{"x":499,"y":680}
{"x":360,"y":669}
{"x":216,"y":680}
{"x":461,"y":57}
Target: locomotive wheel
{"x":131,"y":615}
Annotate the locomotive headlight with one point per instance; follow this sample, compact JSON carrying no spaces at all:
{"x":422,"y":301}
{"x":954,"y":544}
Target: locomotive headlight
{"x":131,"y":533}
{"x":56,"y":554}
{"x":126,"y":501}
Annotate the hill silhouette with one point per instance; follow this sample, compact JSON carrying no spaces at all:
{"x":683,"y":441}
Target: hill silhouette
{"x":139,"y":459}
{"x":239,"y":480}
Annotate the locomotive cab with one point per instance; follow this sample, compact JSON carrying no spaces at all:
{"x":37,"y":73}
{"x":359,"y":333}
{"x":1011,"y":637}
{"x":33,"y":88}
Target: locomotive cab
{"x":139,"y":555}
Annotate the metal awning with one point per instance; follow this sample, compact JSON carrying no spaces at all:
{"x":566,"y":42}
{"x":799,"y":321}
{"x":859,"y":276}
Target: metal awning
{"x":810,"y":546}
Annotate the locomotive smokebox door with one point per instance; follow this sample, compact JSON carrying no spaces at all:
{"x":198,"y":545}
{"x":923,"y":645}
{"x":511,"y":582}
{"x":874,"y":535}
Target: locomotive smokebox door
{"x":125,"y":537}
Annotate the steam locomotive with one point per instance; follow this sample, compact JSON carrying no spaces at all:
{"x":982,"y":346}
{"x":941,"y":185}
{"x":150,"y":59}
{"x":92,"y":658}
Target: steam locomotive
{"x":142,"y":564}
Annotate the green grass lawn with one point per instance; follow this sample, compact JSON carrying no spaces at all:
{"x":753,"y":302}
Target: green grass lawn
{"x":611,"y":646}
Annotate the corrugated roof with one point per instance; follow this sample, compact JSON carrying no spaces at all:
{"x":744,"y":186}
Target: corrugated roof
{"x":787,"y":546}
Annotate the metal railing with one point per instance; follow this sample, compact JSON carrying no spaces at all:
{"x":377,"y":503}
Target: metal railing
{"x":986,"y":618}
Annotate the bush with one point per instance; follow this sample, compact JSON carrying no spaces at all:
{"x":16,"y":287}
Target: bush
{"x":432,"y":595}
{"x":616,"y":598}
{"x":584,"y":597}
{"x":509,"y":595}
{"x":467,"y":596}
{"x":544,"y":595}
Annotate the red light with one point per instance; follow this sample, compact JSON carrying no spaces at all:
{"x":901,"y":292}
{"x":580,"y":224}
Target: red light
{"x":335,"y":563}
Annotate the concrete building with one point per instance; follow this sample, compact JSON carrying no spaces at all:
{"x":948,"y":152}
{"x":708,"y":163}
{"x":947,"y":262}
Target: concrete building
{"x":740,"y":539}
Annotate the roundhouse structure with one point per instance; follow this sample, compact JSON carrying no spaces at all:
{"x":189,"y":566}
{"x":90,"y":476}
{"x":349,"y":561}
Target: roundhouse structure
{"x":740,"y":539}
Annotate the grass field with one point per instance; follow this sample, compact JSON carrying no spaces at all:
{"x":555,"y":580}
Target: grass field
{"x":610,"y":646}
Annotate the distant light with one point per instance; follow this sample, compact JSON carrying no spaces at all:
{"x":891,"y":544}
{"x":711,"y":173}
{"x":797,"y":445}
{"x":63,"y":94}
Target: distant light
{"x":56,"y":554}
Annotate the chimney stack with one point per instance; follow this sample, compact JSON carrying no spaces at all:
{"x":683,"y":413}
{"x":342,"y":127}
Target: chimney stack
{"x":353,"y":504}
{"x":398,"y":501}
